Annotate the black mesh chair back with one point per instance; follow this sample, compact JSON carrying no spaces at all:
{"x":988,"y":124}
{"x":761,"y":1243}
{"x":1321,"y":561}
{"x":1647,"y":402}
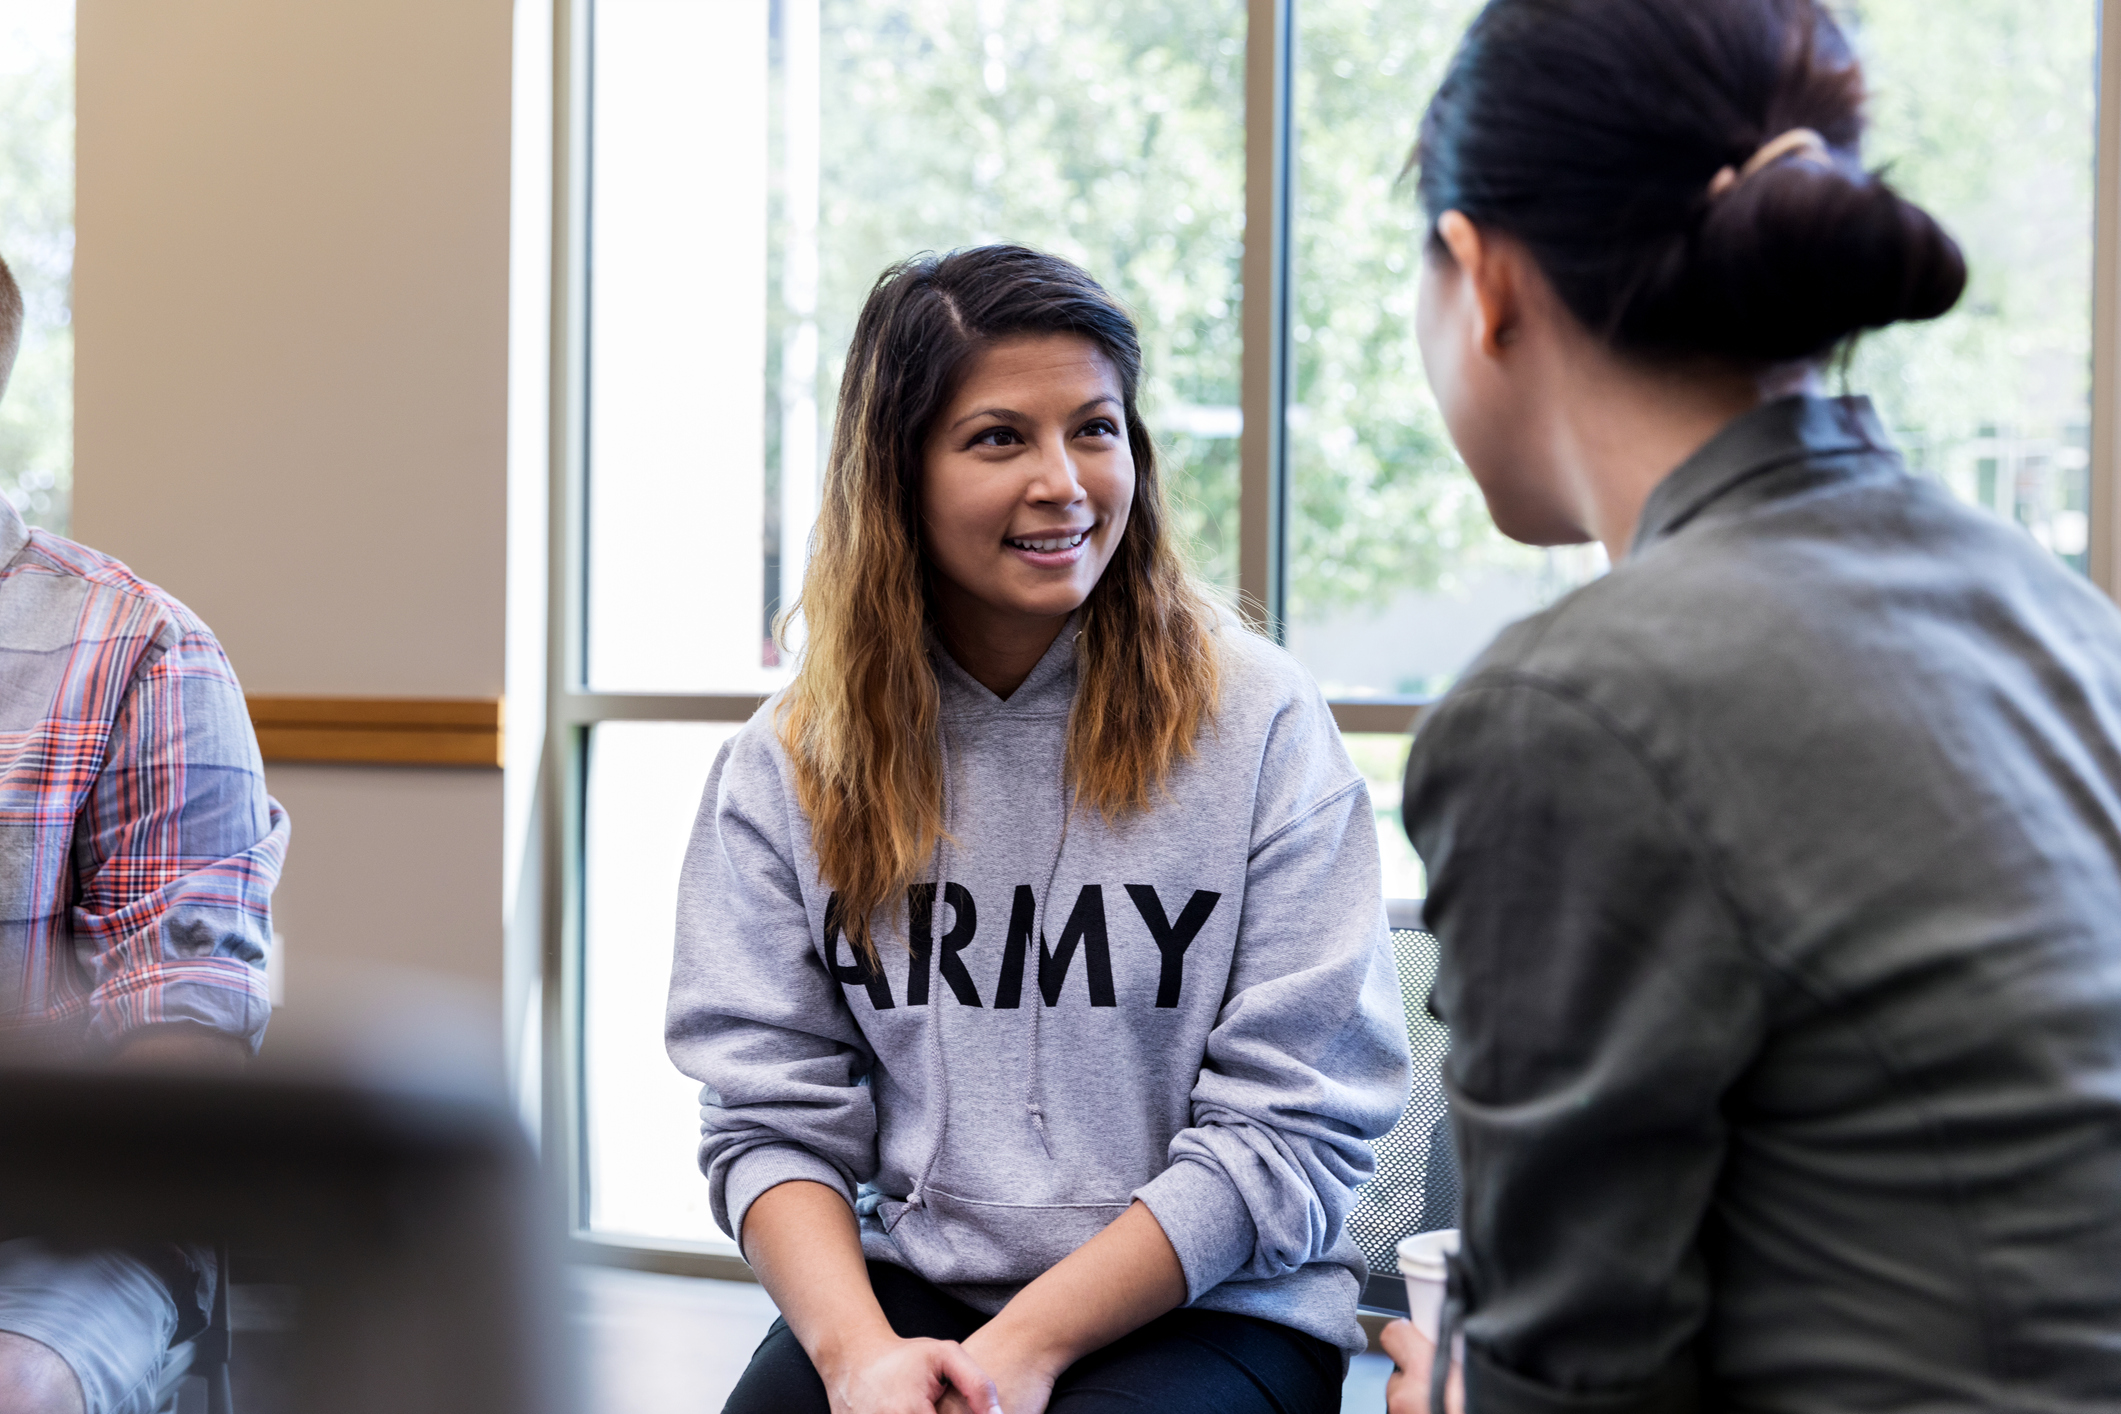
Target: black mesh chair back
{"x":1416,"y":1185}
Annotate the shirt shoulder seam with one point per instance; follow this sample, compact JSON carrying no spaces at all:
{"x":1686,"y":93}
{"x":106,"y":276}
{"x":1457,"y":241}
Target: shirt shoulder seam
{"x":1305,"y":814}
{"x":108,"y":577}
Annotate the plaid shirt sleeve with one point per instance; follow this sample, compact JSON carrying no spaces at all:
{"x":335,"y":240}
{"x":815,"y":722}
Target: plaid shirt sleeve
{"x":176,"y":851}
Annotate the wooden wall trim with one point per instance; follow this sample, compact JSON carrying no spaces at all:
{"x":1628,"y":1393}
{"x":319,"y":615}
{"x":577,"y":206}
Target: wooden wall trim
{"x":1394,"y":716}
{"x":380,"y":731}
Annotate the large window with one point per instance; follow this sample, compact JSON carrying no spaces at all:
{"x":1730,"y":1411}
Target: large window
{"x":1396,"y":576}
{"x":1982,"y":109}
{"x":755,"y":167}
{"x":751,"y":170}
{"x":739,"y":174}
{"x":1986,"y":112}
{"x":37,"y":241}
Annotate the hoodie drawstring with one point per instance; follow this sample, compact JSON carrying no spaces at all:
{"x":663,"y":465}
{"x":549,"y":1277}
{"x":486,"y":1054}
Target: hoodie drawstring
{"x":938,"y":1053}
{"x":1034,"y":1092}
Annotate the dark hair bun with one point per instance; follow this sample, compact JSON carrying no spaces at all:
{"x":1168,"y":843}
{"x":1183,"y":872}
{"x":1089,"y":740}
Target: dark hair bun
{"x":1791,"y":262}
{"x":1592,"y":130}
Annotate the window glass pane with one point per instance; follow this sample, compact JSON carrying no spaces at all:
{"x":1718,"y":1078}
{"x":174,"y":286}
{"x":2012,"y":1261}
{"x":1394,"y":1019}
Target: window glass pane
{"x":1986,"y":112}
{"x":1983,"y":109}
{"x":37,"y":195}
{"x":753,"y":169}
{"x":756,"y":167}
{"x":1106,"y":131}
{"x":1382,"y":759}
{"x":645,"y":781}
{"x":1396,"y":578}
{"x":677,"y":346}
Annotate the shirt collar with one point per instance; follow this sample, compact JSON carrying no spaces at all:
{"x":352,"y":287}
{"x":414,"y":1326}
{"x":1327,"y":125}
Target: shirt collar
{"x":1787,"y":430}
{"x":13,"y":533}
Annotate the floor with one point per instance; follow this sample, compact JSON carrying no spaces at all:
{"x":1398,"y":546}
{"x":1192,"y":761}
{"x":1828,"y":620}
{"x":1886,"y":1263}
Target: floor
{"x":674,"y":1345}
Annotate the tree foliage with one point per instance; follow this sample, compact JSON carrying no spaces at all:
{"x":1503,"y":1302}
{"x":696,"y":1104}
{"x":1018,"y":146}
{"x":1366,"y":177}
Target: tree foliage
{"x":37,"y":241}
{"x":1982,"y":109}
{"x":1105,"y":131}
{"x":1113,"y":133}
{"x":1382,"y":504}
{"x":1985,"y":112}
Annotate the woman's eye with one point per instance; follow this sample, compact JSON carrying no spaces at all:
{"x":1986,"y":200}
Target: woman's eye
{"x":997,"y":437}
{"x":1099,"y":427}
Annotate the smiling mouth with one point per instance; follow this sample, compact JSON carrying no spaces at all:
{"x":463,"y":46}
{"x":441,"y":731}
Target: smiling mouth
{"x":1051,"y":544}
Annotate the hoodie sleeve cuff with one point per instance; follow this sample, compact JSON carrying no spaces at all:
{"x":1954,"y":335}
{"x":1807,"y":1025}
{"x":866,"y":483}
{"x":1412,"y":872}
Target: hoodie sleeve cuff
{"x":755,"y":1170}
{"x":1206,"y":1220}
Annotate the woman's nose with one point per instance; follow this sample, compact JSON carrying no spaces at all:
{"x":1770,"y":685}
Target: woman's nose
{"x":1058,"y":480}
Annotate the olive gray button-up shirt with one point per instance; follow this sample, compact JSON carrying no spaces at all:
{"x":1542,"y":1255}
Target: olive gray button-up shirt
{"x":1778,"y":880}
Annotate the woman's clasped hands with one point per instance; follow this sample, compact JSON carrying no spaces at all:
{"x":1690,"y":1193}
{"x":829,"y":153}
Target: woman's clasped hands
{"x":1023,"y":1380}
{"x":892,"y":1375}
{"x":986,"y":1374}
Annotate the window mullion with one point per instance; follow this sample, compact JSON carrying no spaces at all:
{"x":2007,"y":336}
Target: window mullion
{"x":2105,"y":504}
{"x":1263,"y":461}
{"x":561,"y":1129}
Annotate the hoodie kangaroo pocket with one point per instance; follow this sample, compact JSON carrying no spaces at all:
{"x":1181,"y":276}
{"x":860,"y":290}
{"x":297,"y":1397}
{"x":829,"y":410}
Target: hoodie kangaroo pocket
{"x":952,"y":1239}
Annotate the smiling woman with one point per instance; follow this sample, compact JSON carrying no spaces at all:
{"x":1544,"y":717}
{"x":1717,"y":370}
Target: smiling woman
{"x":1016,"y":706}
{"x":990,"y":393}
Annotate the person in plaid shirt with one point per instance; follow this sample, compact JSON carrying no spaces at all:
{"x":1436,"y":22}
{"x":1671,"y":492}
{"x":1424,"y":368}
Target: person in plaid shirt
{"x":138,"y":854}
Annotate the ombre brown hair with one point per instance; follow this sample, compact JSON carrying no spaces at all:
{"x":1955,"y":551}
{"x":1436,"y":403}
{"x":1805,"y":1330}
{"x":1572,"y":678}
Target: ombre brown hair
{"x":862,"y":719}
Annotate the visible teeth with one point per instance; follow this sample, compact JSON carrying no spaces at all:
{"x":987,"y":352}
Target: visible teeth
{"x":1067,"y":542}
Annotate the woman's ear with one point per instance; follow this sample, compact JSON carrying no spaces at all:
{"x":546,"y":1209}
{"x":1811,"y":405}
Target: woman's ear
{"x":1492,"y":277}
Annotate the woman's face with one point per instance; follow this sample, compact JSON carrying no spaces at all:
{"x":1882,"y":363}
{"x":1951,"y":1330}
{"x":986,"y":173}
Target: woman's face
{"x":1026,"y":485}
{"x":1488,"y":328}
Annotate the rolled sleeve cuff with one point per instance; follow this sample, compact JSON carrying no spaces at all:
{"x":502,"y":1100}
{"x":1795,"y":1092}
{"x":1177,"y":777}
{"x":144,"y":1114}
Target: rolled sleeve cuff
{"x":755,"y":1170}
{"x":1492,"y":1389}
{"x":220,"y":994}
{"x":1206,"y":1220}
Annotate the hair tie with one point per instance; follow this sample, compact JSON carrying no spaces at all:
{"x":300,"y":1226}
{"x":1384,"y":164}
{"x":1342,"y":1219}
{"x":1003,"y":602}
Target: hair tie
{"x":1797,"y":142}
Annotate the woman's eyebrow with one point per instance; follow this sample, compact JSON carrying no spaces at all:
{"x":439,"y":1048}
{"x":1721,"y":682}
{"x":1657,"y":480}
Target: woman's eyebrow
{"x":1011,"y":415}
{"x":1005,"y":414}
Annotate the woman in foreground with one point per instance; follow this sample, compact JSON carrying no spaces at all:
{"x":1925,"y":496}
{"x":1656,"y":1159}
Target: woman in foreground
{"x":1778,"y":873}
{"x":1031,"y":945}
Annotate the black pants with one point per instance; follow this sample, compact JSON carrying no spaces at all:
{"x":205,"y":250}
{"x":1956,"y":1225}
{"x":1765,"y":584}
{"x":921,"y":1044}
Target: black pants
{"x":1186,"y":1362}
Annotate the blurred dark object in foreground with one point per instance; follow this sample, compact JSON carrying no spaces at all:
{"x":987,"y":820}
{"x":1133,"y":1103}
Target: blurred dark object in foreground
{"x":387,"y":1241}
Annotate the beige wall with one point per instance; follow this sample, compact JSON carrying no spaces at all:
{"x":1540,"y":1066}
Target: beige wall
{"x":292,"y":403}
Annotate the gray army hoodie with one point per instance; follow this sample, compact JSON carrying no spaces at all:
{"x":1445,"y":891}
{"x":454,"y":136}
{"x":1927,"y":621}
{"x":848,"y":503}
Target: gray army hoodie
{"x":1195,"y":1007}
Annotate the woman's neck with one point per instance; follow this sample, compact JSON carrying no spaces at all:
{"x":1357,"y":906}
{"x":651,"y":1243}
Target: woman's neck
{"x":1615,"y":435}
{"x":997,"y":650}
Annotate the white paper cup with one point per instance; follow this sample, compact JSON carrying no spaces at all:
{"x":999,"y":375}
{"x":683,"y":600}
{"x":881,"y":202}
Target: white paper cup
{"x":1421,"y":1263}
